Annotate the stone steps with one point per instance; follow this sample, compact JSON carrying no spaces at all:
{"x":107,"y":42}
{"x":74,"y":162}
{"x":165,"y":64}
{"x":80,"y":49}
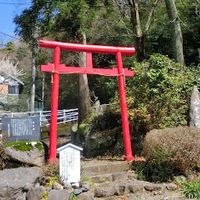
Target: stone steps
{"x":98,"y":167}
{"x":114,"y":180}
{"x":132,"y":190}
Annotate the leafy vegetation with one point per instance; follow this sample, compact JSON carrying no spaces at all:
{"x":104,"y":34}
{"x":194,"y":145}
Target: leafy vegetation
{"x":25,"y":145}
{"x":192,"y":189}
{"x":159,"y":94}
{"x":51,"y":170}
{"x":101,"y":135}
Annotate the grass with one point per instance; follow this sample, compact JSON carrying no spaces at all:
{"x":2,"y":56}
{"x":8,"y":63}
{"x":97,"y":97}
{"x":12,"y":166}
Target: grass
{"x":192,"y":189}
{"x":25,"y":145}
{"x":87,"y":179}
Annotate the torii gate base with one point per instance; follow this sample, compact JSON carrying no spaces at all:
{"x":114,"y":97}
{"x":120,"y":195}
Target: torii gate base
{"x":56,"y":69}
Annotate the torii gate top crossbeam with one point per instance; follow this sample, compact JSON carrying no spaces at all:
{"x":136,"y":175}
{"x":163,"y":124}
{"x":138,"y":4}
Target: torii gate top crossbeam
{"x":87,"y":48}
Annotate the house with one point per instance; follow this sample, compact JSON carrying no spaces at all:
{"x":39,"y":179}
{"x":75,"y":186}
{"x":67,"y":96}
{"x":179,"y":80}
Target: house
{"x":10,"y":85}
{"x":10,"y":88}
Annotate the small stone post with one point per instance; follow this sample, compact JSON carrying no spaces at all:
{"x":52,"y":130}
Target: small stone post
{"x":69,"y":164}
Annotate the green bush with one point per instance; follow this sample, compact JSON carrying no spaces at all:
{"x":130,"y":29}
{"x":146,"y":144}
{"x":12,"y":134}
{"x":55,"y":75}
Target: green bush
{"x":101,"y":134}
{"x":158,"y":95}
{"x":192,"y":190}
{"x":160,"y":168}
{"x":171,"y":151}
{"x":25,"y":145}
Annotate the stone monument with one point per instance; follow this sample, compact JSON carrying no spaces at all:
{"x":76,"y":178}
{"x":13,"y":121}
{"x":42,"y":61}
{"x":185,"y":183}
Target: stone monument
{"x":69,"y":164}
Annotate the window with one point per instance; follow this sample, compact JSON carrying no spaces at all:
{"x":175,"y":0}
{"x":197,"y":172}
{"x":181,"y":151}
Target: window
{"x":13,"y":89}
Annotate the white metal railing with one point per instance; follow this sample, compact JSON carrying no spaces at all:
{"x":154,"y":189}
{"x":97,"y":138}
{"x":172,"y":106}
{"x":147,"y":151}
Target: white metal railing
{"x":65,"y":115}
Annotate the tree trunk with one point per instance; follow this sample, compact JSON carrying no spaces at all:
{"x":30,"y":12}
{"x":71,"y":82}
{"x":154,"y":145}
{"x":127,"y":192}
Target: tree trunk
{"x":177,"y":39}
{"x":136,"y":23}
{"x":84,"y":94}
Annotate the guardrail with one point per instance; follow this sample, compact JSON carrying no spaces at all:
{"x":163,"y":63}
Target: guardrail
{"x":64,"y":116}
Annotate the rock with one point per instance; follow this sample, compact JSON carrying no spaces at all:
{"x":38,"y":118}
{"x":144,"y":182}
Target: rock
{"x":85,"y":196}
{"x":98,"y":192}
{"x":78,"y":191}
{"x":180,"y":178}
{"x":43,"y":180}
{"x":16,"y":194}
{"x":85,"y":187}
{"x":171,"y":187}
{"x":116,"y":189}
{"x":35,"y":193}
{"x":68,"y":187}
{"x":32,"y":157}
{"x":14,"y":180}
{"x":27,"y":187}
{"x":58,"y":194}
{"x":195,"y":108}
{"x":57,"y":186}
{"x":133,"y":188}
{"x":152,"y":187}
{"x":119,"y":189}
{"x":132,"y":175}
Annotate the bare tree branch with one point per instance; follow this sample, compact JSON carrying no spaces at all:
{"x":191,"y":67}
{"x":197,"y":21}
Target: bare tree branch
{"x":151,"y":14}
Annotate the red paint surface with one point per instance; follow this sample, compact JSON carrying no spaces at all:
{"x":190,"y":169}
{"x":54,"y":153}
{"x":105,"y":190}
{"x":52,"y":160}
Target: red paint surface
{"x":56,"y":68}
{"x":124,"y":111}
{"x":54,"y":107}
{"x":87,"y":48}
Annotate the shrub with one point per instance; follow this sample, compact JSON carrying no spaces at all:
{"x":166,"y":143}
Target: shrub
{"x":51,"y":170}
{"x":100,"y":134}
{"x":159,"y":169}
{"x":171,"y":150}
{"x":158,"y":95}
{"x":192,"y":190}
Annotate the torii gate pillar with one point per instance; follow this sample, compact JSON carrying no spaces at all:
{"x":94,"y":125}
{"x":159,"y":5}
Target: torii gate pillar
{"x":56,"y":69}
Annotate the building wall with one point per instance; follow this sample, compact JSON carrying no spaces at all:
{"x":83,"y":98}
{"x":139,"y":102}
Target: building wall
{"x":3,"y":89}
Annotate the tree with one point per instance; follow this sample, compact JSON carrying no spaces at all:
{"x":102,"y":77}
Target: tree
{"x":68,"y":17}
{"x":7,"y":67}
{"x":84,"y":95}
{"x":27,"y":29}
{"x":176,"y":32}
{"x":139,"y":30}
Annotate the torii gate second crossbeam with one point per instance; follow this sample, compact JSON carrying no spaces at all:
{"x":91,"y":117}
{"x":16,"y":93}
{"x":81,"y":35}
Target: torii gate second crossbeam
{"x":56,"y":69}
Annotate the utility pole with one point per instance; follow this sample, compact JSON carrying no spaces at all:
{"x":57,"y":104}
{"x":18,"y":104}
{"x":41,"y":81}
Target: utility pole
{"x":32,"y":95}
{"x":43,"y":88}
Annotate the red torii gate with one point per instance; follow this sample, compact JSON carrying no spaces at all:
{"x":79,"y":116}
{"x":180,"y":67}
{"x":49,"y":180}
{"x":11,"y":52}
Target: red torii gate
{"x":56,"y":69}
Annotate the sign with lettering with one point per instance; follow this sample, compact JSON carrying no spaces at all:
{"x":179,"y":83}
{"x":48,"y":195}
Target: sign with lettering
{"x":69,"y":164}
{"x":21,"y":128}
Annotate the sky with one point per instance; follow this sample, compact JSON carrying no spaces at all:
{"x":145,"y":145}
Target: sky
{"x":8,"y":10}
